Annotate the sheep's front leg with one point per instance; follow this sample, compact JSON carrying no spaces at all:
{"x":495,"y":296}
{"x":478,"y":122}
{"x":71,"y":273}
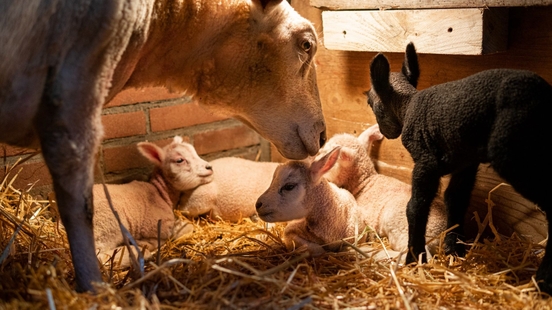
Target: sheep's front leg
{"x":68,"y":126}
{"x":457,"y":199}
{"x":425,"y":183}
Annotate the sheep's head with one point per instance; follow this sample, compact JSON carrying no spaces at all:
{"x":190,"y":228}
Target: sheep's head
{"x":288,"y":196}
{"x":179,"y":164}
{"x":391,"y":92}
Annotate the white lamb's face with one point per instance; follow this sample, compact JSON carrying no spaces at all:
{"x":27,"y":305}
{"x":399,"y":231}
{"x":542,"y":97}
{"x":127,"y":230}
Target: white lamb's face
{"x":284,"y":200}
{"x":184,"y":169}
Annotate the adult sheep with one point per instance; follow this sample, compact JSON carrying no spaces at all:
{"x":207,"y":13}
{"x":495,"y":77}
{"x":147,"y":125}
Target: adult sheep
{"x":61,"y":61}
{"x":497,"y":116}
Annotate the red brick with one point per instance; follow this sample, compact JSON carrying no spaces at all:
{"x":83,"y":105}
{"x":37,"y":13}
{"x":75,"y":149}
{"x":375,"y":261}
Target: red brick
{"x":124,"y":124}
{"x":225,"y":139}
{"x":122,"y":158}
{"x":133,"y":95}
{"x":30,"y":173}
{"x":14,"y":150}
{"x":179,"y":116}
{"x":163,"y":142}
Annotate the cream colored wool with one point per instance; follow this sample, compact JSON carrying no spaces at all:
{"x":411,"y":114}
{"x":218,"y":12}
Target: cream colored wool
{"x":231,"y":196}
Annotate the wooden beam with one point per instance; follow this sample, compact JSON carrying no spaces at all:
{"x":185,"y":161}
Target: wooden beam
{"x":436,"y":31}
{"x":422,"y":4}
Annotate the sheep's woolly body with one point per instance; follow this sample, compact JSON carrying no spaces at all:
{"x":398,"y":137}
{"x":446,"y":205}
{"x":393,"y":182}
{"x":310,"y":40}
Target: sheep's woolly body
{"x":140,"y":205}
{"x":231,"y":196}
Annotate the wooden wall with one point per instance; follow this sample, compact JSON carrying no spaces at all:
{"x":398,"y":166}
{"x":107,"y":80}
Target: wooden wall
{"x":343,"y":76}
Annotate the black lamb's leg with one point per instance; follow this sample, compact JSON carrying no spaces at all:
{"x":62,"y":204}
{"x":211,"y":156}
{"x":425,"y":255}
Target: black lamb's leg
{"x":425,"y":183}
{"x":457,"y":199}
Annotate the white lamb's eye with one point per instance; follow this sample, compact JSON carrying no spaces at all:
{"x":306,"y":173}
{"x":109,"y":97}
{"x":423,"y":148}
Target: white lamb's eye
{"x":288,"y":187}
{"x":181,"y":160}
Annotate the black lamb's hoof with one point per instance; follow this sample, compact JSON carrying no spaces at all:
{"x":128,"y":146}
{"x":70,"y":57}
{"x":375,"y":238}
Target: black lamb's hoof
{"x":544,"y":281}
{"x":452,"y":246}
{"x":412,"y":258}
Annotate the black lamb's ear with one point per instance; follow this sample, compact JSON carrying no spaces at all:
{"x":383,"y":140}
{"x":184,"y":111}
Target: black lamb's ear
{"x":379,"y":74}
{"x":410,"y":67}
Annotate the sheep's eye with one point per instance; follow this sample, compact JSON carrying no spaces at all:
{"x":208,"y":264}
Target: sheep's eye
{"x":181,"y":160}
{"x":288,"y":187}
{"x":306,"y":45}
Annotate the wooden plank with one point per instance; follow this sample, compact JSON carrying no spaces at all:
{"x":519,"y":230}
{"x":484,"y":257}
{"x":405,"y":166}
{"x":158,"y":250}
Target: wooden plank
{"x":439,"y":31}
{"x":422,"y":4}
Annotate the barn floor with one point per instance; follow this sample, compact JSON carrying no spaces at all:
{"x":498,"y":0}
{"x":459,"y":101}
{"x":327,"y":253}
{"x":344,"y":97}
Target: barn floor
{"x":245,"y":266}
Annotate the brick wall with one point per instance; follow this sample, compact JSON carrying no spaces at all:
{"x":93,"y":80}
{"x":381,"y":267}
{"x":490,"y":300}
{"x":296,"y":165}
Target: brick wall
{"x":153,"y":115}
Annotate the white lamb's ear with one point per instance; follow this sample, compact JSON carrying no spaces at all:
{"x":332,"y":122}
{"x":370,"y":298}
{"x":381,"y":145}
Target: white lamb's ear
{"x":369,"y":135}
{"x":177,"y":139}
{"x":152,"y":152}
{"x":346,"y":155}
{"x":322,"y":165}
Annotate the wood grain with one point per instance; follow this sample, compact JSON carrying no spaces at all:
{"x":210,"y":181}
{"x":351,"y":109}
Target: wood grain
{"x":422,"y":4}
{"x":436,"y":31}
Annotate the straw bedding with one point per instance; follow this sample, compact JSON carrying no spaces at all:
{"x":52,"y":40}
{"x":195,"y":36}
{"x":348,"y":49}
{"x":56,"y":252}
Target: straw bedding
{"x":245,"y":266}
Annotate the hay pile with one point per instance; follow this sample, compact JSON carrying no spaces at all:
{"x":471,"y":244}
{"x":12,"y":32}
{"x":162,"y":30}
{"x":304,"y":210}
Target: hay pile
{"x":245,"y":266}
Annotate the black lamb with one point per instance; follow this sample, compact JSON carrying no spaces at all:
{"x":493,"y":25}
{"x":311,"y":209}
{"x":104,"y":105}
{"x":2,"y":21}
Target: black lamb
{"x":497,"y":116}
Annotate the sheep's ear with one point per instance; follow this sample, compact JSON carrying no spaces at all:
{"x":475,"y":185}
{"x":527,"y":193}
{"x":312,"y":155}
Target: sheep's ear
{"x":410,"y":67}
{"x":370,"y":135}
{"x":152,"y":152}
{"x":379,"y":74}
{"x":320,"y":166}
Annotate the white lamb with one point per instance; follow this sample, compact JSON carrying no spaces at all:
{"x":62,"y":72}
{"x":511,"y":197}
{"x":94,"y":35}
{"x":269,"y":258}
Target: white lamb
{"x":381,"y":199}
{"x":231,"y":196}
{"x":320,"y":212}
{"x":141,"y":205}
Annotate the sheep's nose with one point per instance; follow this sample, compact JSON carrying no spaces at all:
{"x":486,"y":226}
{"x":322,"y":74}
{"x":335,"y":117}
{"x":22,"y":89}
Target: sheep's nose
{"x":323,"y":138}
{"x":258,"y":205}
{"x":208,"y":167}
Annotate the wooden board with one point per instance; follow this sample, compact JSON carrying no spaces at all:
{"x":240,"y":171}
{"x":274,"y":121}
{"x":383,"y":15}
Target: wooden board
{"x":436,"y":31}
{"x":422,"y":4}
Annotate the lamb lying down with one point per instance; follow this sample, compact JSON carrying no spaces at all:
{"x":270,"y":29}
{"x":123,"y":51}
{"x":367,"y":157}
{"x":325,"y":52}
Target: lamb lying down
{"x":231,"y":196}
{"x":319,"y":212}
{"x":141,"y":205}
{"x":381,"y":199}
